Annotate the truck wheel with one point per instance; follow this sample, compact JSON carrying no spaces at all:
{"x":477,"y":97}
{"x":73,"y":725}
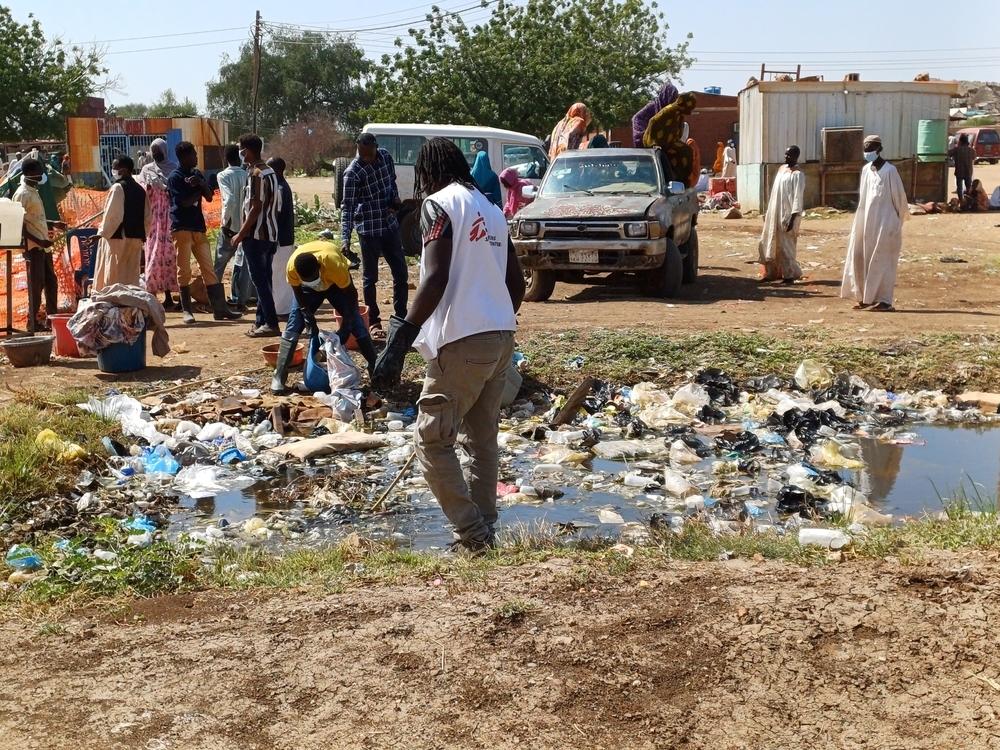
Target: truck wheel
{"x":409,"y":229}
{"x":541,"y":284}
{"x":340,"y":166}
{"x":691,"y":258}
{"x":665,"y":281}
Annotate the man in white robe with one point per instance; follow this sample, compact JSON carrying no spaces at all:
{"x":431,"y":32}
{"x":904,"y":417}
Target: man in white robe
{"x":877,"y":234}
{"x":729,"y":161}
{"x":126,"y":223}
{"x":780,"y":236}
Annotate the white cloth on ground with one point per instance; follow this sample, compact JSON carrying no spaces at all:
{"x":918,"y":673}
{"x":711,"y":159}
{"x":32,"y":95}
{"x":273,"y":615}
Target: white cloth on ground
{"x":876,"y":237}
{"x":281,"y":290}
{"x":777,"y":246}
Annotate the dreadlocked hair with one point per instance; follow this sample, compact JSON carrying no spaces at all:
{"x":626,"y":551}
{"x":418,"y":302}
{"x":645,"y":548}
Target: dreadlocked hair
{"x":439,"y":163}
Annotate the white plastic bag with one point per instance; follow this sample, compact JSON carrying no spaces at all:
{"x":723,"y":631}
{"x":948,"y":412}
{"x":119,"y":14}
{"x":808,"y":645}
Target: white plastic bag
{"x":343,"y":373}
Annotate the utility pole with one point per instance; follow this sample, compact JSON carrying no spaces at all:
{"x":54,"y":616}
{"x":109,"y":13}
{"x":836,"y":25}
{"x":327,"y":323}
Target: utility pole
{"x":256,"y":70}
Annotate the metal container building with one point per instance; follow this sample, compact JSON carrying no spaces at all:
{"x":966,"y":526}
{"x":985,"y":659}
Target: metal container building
{"x":95,"y":142}
{"x":777,"y":114}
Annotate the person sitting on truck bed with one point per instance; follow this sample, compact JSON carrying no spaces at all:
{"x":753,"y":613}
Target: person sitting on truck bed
{"x":666,"y":130}
{"x":666,"y":95}
{"x":568,"y":134}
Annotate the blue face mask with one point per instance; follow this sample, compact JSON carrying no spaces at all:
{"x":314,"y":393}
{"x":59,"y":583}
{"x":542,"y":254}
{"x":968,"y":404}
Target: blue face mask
{"x":871,"y":156}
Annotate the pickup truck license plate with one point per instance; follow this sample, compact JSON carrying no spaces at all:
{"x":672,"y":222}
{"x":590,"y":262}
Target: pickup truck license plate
{"x":584,"y":256}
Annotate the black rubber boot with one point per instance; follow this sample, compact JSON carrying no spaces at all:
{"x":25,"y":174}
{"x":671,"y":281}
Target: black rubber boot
{"x":367,"y":348}
{"x":220,"y":310}
{"x":285,"y":353}
{"x":186,"y":306}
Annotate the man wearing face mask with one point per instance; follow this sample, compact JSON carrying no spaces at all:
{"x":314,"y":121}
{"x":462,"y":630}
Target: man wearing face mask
{"x":317,"y":271}
{"x":38,"y":246}
{"x":877,"y":233}
{"x":777,"y":247}
{"x":127,"y":219}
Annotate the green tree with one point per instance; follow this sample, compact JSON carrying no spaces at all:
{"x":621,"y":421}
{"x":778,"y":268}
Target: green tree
{"x":527,"y":64}
{"x":168,"y":105}
{"x":41,"y":81}
{"x":301,"y":75}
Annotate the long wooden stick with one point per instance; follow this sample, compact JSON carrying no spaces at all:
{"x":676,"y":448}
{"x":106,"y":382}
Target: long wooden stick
{"x":394,"y":482}
{"x":187,"y":383}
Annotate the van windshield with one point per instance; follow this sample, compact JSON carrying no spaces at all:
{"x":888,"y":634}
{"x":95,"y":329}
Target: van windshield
{"x":988,"y":138}
{"x":594,"y":175}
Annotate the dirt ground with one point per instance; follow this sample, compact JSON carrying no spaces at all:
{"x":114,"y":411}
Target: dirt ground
{"x":932,"y":296}
{"x":720,"y":655}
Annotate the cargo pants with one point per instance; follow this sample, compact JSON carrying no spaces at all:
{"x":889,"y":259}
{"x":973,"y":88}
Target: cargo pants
{"x":460,"y":403}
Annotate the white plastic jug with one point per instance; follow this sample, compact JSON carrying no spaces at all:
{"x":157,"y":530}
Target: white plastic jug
{"x":11,"y":223}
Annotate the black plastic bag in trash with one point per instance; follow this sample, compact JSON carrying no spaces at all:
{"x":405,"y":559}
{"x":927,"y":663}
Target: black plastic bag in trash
{"x":600,"y":395}
{"x":711,"y":415}
{"x":843,"y":392}
{"x":632,"y":427}
{"x":796,"y":500}
{"x":720,"y":387}
{"x":825,"y":476}
{"x":695,"y":444}
{"x":731,"y":441}
{"x":806,"y":424}
{"x":762,"y":384}
{"x":536,"y":432}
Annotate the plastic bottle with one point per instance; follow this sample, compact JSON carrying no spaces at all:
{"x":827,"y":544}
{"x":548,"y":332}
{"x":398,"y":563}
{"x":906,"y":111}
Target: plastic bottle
{"x":565,"y":438}
{"x":826,"y":538}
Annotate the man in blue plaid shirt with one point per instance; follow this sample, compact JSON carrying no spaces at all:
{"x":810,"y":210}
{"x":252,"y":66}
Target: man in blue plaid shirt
{"x":371,"y":200}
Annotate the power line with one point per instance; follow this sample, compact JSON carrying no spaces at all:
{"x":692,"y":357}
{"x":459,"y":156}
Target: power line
{"x":174,"y":46}
{"x":303,"y":27}
{"x":369,"y":17}
{"x":158,"y":36}
{"x":836,"y":52}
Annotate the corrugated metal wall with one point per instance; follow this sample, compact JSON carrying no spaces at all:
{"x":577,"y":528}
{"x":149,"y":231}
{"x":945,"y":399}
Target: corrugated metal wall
{"x":773,"y":116}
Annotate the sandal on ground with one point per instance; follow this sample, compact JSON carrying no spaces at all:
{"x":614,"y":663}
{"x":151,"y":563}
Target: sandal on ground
{"x":377,"y":332}
{"x":861,"y":306}
{"x":263,"y":332}
{"x":882,"y":307}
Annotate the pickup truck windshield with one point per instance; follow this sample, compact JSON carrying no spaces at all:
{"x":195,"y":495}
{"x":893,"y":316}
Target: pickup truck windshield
{"x":595,"y":175}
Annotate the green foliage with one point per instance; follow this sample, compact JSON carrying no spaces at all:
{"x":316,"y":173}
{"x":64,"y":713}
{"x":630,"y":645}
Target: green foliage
{"x":527,"y":64}
{"x":981,"y":121}
{"x":168,"y":105}
{"x":301,"y":75}
{"x":314,"y":213}
{"x":42,"y":81}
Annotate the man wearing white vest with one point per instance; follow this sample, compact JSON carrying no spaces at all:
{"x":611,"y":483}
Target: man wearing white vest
{"x":462,"y":321}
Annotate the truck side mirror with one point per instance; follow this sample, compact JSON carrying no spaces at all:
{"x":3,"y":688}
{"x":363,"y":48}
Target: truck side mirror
{"x":529,"y":191}
{"x":676,"y":187}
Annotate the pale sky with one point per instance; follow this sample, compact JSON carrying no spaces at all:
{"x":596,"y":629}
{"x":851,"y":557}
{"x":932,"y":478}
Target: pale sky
{"x":880,"y":40}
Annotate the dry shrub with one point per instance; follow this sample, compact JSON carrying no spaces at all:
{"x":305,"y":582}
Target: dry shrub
{"x":309,"y":145}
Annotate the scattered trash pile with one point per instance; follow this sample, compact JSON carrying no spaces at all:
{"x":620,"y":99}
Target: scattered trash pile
{"x":765,"y":454}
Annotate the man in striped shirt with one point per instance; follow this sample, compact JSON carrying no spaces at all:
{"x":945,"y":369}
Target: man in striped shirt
{"x":259,"y":233}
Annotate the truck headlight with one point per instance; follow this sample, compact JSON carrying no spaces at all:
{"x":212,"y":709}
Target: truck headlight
{"x":636,"y":229}
{"x":528,"y":229}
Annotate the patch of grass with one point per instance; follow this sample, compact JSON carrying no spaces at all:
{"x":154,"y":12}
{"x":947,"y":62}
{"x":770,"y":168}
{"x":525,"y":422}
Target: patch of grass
{"x":26,"y":471}
{"x":947,"y":361}
{"x":73,"y":577}
{"x":513,"y":612}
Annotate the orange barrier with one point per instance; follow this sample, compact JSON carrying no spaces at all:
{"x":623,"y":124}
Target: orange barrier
{"x":82,"y":207}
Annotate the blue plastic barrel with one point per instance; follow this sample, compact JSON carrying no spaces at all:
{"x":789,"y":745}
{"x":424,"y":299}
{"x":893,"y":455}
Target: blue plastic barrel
{"x":123,"y":357}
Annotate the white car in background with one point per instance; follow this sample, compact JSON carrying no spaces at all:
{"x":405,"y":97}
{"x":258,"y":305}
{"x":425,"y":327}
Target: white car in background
{"x":506,"y":149}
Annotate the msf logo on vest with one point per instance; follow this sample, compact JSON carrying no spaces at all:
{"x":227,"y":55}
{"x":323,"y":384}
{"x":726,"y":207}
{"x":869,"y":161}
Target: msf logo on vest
{"x":479,"y":232}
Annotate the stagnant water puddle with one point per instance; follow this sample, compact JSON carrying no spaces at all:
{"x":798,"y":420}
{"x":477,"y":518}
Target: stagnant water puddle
{"x":902,"y":480}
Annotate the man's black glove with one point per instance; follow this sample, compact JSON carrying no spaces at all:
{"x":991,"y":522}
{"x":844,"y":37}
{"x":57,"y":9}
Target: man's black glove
{"x":389,"y":365}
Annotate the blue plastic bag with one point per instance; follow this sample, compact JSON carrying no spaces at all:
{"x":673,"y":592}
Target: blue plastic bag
{"x":22,"y":557}
{"x":159,"y":460}
{"x":315,"y":377}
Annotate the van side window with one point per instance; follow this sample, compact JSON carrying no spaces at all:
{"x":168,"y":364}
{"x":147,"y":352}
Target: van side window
{"x":388,"y":142}
{"x":529,"y":161}
{"x":468,"y":146}
{"x":408,"y":146}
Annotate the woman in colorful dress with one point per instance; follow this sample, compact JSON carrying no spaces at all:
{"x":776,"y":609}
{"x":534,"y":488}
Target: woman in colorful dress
{"x":161,"y":257}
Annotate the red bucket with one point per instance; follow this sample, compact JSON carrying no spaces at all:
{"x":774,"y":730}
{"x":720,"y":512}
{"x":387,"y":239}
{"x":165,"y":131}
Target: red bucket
{"x":65,"y":343}
{"x":352,"y":343}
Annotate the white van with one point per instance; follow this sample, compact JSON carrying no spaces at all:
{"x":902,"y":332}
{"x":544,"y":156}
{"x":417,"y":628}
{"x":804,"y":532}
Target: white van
{"x":403,"y":141}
